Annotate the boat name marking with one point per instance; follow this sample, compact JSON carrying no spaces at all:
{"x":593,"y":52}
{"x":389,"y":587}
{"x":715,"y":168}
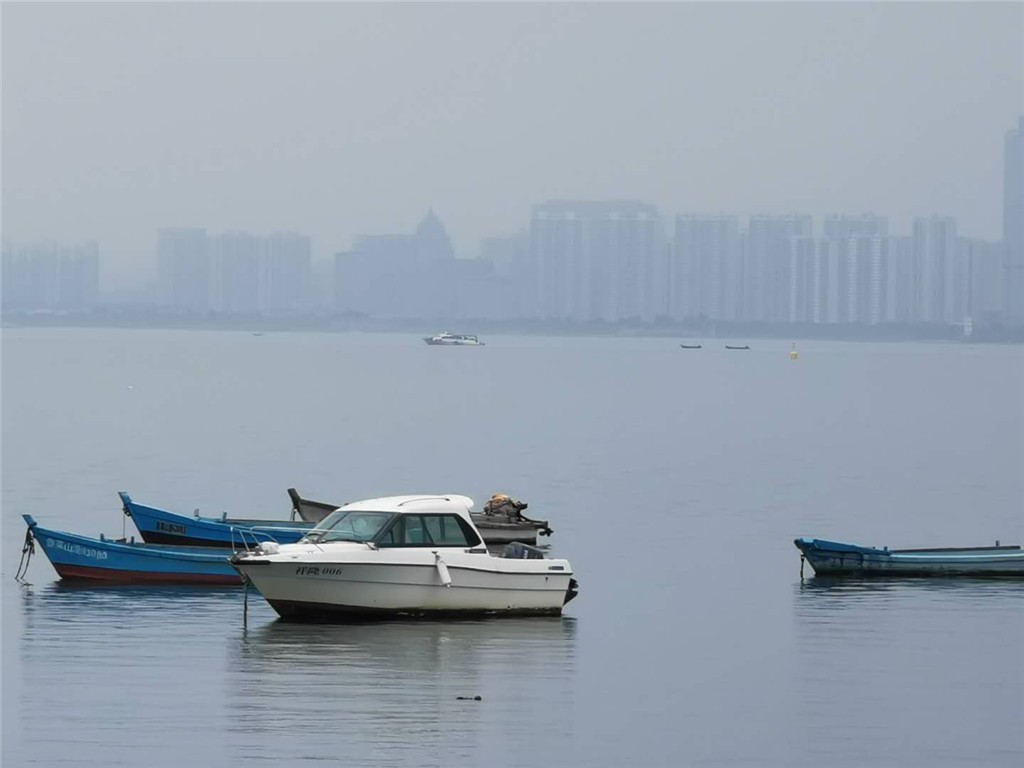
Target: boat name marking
{"x":170,"y":527}
{"x":316,"y":570}
{"x":76,"y":549}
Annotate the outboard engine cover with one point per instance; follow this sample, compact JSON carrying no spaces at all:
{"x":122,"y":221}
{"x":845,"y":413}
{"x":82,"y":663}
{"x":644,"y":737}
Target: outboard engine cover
{"x":519,"y":551}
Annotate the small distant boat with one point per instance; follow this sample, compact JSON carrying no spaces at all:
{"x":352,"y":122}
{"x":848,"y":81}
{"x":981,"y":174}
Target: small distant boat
{"x":834,"y":558}
{"x":109,"y":561}
{"x":743,"y":347}
{"x":453,"y":340}
{"x":692,"y":346}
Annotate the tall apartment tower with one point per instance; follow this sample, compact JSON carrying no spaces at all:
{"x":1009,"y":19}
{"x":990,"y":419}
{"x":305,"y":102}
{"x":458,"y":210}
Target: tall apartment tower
{"x":1013,"y":224}
{"x":598,"y":260}
{"x":50,"y":276}
{"x":765,"y":266}
{"x":936,"y":267}
{"x":286,"y":273}
{"x":183,"y":269}
{"x":858,"y":247}
{"x":702,"y":267}
{"x":234,"y":259}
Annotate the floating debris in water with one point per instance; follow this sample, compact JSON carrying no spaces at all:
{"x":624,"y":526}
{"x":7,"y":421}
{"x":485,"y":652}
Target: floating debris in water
{"x":469,"y":698}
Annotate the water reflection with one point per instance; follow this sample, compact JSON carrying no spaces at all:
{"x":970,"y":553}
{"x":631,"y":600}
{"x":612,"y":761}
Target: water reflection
{"x":391,"y":690}
{"x":826,"y":593}
{"x":854,"y":637}
{"x":113,"y":665}
{"x":56,"y":604}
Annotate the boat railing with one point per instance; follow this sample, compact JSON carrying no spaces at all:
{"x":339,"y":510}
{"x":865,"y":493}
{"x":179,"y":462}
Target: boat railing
{"x":242,"y":540}
{"x":248,"y":538}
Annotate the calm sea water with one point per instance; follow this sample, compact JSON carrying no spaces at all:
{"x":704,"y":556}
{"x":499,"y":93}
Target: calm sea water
{"x":675,"y":481}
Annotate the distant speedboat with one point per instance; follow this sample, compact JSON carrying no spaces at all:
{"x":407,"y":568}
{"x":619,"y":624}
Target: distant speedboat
{"x":692,"y":346}
{"x":833,"y":558}
{"x":743,"y":347}
{"x":453,"y":340}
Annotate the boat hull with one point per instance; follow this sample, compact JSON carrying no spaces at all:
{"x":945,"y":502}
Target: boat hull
{"x":353,"y":589}
{"x":302,"y":611}
{"x":158,"y":526}
{"x":81,"y":558}
{"x":838,"y":559}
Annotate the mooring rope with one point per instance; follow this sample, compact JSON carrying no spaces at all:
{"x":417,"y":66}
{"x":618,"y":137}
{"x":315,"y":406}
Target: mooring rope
{"x":27,"y":550}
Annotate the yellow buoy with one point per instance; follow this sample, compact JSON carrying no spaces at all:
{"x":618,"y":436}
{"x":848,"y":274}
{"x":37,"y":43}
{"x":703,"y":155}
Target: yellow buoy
{"x":793,"y":354}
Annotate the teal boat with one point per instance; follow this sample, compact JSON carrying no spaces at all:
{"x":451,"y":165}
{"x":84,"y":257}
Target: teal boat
{"x":834,"y":558}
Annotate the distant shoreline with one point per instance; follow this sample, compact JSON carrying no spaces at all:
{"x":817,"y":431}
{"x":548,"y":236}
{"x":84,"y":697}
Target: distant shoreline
{"x":700,"y":330}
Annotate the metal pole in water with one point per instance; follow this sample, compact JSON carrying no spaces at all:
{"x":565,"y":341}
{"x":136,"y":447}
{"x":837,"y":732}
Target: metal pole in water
{"x":802,"y":567}
{"x":245,"y":604}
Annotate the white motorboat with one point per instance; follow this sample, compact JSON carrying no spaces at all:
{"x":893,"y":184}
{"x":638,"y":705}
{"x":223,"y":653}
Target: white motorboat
{"x":453,"y":340}
{"x":404,"y":556}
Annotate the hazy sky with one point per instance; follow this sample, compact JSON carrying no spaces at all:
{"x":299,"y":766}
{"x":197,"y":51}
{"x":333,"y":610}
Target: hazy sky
{"x":337,"y":119}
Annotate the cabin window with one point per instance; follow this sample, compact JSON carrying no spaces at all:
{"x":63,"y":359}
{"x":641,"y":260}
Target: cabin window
{"x":448,"y":531}
{"x":429,"y":531}
{"x":350,"y":526}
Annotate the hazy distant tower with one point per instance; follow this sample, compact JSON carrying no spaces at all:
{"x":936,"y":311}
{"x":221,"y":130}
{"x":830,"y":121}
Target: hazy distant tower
{"x":702,"y":270}
{"x":597,"y":260}
{"x":935,"y":265}
{"x":766,"y":262}
{"x":183,"y":269}
{"x":1013,"y":224}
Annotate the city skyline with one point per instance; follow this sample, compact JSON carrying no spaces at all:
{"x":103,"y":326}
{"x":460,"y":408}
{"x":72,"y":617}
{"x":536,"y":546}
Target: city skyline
{"x":578,"y":261}
{"x":341,"y":120}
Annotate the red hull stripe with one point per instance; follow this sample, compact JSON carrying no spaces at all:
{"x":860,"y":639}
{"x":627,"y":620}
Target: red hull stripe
{"x":111,"y":576}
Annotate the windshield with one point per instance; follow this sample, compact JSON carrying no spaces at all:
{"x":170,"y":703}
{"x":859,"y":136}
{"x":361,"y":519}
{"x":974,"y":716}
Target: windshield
{"x":349,"y":525}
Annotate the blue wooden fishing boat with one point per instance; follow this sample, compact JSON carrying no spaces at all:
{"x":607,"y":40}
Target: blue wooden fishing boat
{"x":103,"y":560}
{"x":501,"y":521}
{"x":834,"y":558}
{"x":158,"y":526}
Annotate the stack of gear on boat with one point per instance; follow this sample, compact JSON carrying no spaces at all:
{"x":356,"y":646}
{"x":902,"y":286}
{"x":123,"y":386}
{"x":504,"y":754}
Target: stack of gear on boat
{"x":501,"y":504}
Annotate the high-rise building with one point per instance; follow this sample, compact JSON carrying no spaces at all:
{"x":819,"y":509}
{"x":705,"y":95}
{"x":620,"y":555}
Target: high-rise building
{"x":401,"y":275}
{"x":50,"y":276}
{"x":936,"y":267}
{"x":183,"y":269}
{"x":1013,"y":224}
{"x":286,"y":274}
{"x":513,"y":279}
{"x":804,"y":305}
{"x":702,"y":267}
{"x":986,"y":264}
{"x":766,"y":260}
{"x":235,"y":272}
{"x":598,"y":260}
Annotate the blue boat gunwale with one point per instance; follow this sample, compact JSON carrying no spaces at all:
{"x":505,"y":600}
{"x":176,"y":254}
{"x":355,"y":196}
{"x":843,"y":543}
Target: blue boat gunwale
{"x":806,"y":545}
{"x":198,"y":554}
{"x":213,"y":523}
{"x":162,"y":527}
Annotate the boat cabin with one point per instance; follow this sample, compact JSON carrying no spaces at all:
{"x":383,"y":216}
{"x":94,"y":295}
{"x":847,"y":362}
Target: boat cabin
{"x":402,"y":521}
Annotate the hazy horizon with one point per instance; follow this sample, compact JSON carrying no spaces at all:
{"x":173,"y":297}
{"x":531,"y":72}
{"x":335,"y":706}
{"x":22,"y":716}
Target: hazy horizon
{"x":336,"y":120}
